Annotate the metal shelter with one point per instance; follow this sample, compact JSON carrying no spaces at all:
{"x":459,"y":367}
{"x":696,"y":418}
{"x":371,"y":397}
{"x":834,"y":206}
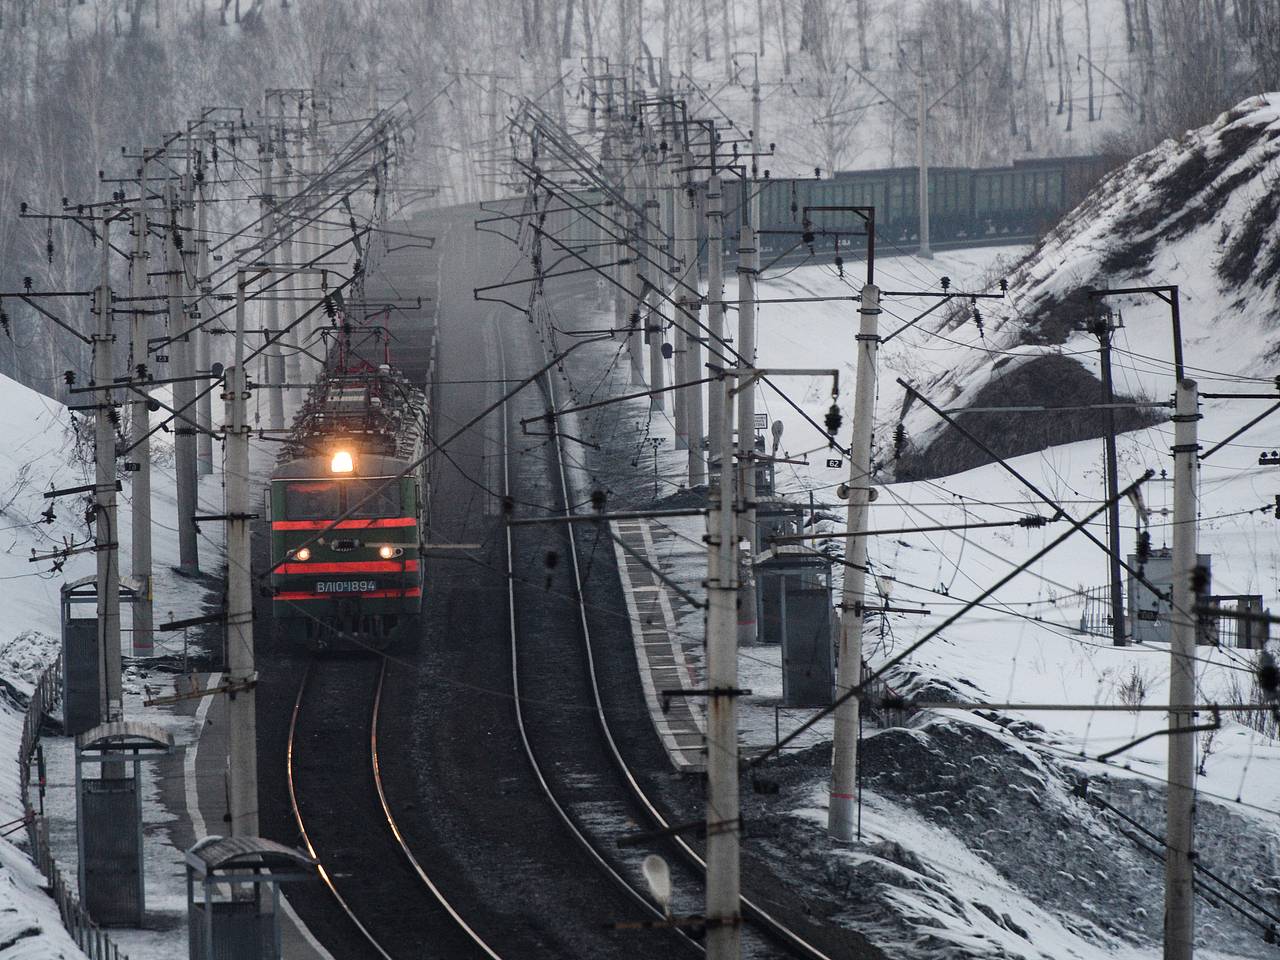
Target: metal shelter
{"x":793,"y":608}
{"x":83,"y":665}
{"x":236,"y":916}
{"x":109,"y":818}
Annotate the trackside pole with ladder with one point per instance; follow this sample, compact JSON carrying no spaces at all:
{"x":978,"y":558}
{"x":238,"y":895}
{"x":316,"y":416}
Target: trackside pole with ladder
{"x":842,"y":814}
{"x":1179,"y":895}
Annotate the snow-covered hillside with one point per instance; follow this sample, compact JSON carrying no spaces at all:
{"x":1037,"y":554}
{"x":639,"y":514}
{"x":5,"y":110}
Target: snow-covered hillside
{"x":1199,"y":214}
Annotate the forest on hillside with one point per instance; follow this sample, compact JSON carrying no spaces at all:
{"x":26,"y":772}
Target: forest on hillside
{"x":840,"y":83}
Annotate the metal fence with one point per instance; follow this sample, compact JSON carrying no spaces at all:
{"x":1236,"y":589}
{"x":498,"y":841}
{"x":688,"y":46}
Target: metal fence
{"x":89,"y":937}
{"x":1095,"y":615}
{"x":1239,"y":622}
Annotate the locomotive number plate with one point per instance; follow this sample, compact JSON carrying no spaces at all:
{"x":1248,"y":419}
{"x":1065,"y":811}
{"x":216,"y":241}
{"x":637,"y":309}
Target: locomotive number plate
{"x":346,"y":586}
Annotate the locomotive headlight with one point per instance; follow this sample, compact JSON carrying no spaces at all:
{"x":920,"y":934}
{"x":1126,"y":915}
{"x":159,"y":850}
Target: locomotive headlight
{"x":341,"y":462}
{"x":389,"y":552}
{"x":303,"y":554}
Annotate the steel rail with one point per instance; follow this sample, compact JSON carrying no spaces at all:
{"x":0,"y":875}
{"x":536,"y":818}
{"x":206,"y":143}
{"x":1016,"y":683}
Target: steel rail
{"x":395,"y":827}
{"x":768,"y":924}
{"x":570,"y":824}
{"x":392,"y":824}
{"x":302,"y":828}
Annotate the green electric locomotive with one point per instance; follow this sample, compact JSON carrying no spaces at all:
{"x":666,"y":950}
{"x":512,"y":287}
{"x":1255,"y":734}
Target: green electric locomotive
{"x":348,"y":508}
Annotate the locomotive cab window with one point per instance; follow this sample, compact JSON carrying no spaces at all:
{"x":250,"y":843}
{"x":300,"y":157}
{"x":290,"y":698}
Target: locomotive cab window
{"x":311,"y":500}
{"x":374,"y":498}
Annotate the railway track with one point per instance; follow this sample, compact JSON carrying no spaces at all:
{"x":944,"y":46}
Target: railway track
{"x":764,"y":934}
{"x":333,"y":817}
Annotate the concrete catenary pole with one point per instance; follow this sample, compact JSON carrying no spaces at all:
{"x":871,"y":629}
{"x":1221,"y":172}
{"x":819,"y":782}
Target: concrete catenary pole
{"x":287,"y":287}
{"x":656,"y":218}
{"x":271,"y":320}
{"x":184,"y":445}
{"x":715,"y":291}
{"x":723,"y":817}
{"x":311,"y":237}
{"x":243,"y":767}
{"x":748,"y":266}
{"x":633,"y":318}
{"x":841,"y":818}
{"x":756,"y":140}
{"x":1179,"y":895}
{"x":691,"y":304}
{"x":106,"y":532}
{"x":686,"y":272}
{"x":922,"y":157}
{"x":204,"y":405}
{"x":143,"y":637}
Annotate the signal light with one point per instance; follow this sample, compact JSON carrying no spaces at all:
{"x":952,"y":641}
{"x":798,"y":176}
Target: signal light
{"x":342,"y":462}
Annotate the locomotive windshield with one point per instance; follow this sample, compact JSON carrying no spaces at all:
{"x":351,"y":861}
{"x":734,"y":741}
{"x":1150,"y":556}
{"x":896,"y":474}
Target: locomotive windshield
{"x":329,"y":499}
{"x":311,"y":500}
{"x":373,"y":498}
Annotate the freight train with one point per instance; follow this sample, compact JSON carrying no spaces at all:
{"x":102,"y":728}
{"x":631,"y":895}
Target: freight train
{"x":348,"y":504}
{"x":967,"y":207}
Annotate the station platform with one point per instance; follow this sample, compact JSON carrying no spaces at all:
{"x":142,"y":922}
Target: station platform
{"x":204,"y":764}
{"x":184,"y":799}
{"x":668,"y":658}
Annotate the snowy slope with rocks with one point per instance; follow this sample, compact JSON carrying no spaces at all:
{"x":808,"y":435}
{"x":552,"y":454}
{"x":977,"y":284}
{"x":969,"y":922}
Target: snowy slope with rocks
{"x":1199,"y":213}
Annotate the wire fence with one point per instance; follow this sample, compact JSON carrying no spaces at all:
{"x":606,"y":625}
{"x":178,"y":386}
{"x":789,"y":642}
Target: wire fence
{"x":89,"y":937}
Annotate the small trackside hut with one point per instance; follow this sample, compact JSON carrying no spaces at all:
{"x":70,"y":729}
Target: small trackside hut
{"x":349,"y":507}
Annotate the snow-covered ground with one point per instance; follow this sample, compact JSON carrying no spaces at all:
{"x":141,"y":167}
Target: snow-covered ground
{"x":41,"y":447}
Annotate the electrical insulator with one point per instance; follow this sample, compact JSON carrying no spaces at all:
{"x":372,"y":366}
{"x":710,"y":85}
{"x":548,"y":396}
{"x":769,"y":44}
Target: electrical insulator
{"x":899,"y":439}
{"x":946,"y":283}
{"x":833,"y":420}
